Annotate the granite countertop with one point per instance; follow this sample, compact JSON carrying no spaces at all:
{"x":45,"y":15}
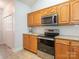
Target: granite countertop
{"x":68,"y":37}
{"x":31,"y":34}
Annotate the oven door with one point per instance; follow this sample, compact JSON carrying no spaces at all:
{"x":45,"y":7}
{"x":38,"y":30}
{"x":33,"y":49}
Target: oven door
{"x":46,"y":46}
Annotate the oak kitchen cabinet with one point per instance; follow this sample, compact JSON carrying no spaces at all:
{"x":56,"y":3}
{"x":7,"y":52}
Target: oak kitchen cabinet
{"x":44,"y":11}
{"x":63,"y":13}
{"x":48,"y":11}
{"x":67,"y":13}
{"x":62,"y":49}
{"x":74,"y":11}
{"x":30,"y":42}
{"x":34,"y":19}
{"x":52,"y":10}
{"x":37,"y":18}
{"x":66,"y":49}
{"x":74,"y":50}
{"x":26,"y":42}
{"x":30,"y":19}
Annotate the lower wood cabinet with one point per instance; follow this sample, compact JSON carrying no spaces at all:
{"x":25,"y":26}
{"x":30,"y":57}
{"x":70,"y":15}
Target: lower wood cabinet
{"x":33,"y":43}
{"x":30,"y":42}
{"x":74,"y":50}
{"x":62,"y":49}
{"x":66,"y":49}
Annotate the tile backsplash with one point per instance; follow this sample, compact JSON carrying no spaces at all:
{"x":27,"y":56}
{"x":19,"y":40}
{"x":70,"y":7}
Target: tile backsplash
{"x":72,"y":30}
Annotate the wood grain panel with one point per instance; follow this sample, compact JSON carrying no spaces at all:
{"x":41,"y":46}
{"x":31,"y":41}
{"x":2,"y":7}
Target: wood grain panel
{"x":61,"y":51}
{"x":63,"y":13}
{"x":74,"y":5}
{"x":62,"y":41}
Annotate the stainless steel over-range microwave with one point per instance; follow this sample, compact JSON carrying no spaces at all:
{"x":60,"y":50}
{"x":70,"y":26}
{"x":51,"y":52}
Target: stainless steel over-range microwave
{"x":49,"y":20}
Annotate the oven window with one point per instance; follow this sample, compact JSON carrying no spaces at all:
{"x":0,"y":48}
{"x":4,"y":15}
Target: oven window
{"x":46,"y":46}
{"x":47,"y":42}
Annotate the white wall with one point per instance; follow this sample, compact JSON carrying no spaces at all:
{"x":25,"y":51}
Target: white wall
{"x":9,"y":9}
{"x":40,"y":4}
{"x":72,"y":30}
{"x":1,"y":40}
{"x":20,"y":23}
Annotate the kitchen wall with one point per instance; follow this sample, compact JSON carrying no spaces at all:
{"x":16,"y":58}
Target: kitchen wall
{"x":40,"y":4}
{"x":64,"y":30}
{"x":20,"y":23}
{"x":1,"y":40}
{"x":72,"y":30}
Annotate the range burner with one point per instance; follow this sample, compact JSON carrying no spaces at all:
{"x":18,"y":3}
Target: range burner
{"x":49,"y":35}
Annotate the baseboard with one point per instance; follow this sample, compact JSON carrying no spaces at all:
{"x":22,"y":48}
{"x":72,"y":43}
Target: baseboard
{"x":17,"y":49}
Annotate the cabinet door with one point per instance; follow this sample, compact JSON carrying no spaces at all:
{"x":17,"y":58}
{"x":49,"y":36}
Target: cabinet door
{"x":37,"y":18}
{"x":26,"y":41}
{"x":33,"y":44}
{"x":52,"y":10}
{"x":62,"y":49}
{"x":74,"y":50}
{"x":63,"y":13}
{"x":74,"y":5}
{"x":45,"y":11}
{"x":30,"y":19}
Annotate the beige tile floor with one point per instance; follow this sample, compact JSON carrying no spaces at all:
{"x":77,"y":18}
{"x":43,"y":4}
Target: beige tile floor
{"x":6,"y":53}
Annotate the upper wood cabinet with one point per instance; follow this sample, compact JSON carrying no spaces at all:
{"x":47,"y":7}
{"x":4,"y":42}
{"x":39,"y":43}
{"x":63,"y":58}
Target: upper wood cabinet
{"x":47,"y":11}
{"x":67,"y":13}
{"x":37,"y":18}
{"x":63,"y":13}
{"x":30,"y":19}
{"x":52,"y":10}
{"x":34,"y":19}
{"x":73,"y":0}
{"x":44,"y":12}
{"x":74,"y":12}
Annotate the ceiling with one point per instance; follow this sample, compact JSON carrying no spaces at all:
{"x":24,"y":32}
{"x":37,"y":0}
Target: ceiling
{"x":29,"y":2}
{"x":1,"y":4}
{"x":4,"y":2}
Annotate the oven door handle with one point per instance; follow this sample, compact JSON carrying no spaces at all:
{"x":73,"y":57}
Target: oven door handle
{"x":45,"y":38}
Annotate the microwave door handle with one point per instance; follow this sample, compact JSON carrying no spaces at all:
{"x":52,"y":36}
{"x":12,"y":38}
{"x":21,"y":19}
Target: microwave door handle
{"x":52,"y":19}
{"x":56,"y":18}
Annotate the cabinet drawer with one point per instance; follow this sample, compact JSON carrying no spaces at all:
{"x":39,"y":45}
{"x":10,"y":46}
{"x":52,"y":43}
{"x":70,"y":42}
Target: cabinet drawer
{"x":74,"y":43}
{"x":62,"y":41}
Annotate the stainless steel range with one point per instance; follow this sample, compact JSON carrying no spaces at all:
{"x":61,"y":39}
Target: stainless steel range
{"x":46,"y":44}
